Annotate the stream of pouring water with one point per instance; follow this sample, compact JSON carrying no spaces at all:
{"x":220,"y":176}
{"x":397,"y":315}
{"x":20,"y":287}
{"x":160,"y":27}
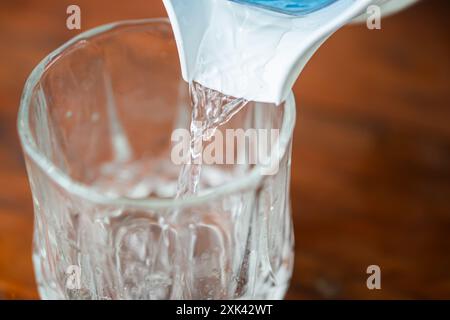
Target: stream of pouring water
{"x":210,"y":110}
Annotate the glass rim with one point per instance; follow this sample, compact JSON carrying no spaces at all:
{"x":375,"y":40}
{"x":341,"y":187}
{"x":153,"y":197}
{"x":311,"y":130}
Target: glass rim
{"x":64,"y":180}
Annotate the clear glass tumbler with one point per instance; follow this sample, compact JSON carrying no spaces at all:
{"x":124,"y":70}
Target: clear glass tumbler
{"x":95,"y":123}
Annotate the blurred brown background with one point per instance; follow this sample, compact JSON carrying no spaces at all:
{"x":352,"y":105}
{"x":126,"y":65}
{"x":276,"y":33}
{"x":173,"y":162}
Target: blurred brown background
{"x":371,"y":164}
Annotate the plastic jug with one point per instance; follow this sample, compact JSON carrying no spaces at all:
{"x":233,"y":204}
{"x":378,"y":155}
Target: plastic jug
{"x":248,"y":51}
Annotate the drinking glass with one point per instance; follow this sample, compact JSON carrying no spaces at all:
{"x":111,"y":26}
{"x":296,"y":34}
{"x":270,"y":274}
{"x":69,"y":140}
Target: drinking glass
{"x":95,"y":123}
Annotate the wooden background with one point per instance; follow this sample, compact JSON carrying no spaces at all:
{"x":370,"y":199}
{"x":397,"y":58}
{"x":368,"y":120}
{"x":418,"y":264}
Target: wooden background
{"x":371,"y":164}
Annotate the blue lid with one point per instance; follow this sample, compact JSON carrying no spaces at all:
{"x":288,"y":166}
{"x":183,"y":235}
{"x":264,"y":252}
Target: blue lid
{"x":291,"y":7}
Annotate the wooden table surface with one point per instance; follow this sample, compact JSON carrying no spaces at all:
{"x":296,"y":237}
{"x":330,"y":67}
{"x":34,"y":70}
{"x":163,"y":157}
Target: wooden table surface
{"x":371,"y":159}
